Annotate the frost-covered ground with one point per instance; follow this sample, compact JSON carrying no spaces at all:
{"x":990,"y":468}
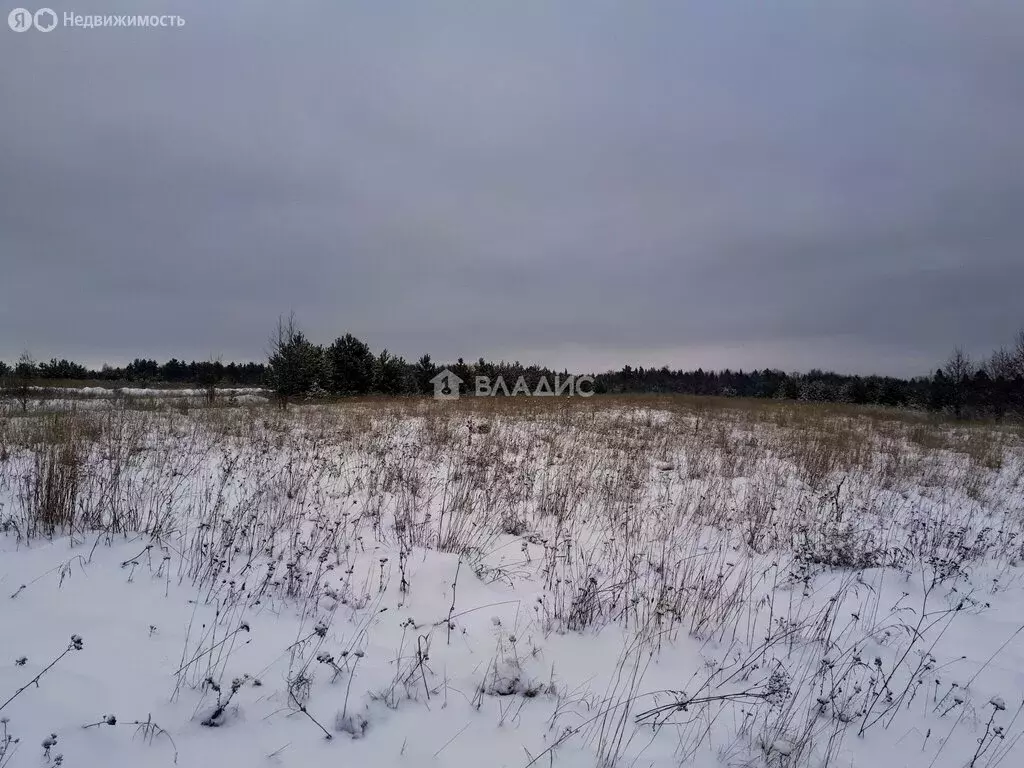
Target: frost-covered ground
{"x":61,"y":399}
{"x":511,"y":583}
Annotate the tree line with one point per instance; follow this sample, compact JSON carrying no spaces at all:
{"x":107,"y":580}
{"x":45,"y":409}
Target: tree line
{"x":298,"y":368}
{"x":141,"y":371}
{"x":993,"y":387}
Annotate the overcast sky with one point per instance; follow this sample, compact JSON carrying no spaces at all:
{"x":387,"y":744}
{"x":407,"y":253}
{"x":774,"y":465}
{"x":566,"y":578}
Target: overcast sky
{"x":582,"y":184}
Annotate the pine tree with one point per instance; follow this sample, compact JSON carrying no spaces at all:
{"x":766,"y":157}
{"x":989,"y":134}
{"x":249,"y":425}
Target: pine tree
{"x":465,"y":373}
{"x":423,"y":372}
{"x":351,"y":365}
{"x":295,"y":366}
{"x":390,"y":378}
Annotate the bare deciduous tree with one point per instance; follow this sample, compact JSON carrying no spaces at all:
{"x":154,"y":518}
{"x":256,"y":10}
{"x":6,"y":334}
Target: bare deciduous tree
{"x":208,"y":377}
{"x":25,"y":373}
{"x":1001,"y":364}
{"x":958,"y":370}
{"x":1018,"y":354}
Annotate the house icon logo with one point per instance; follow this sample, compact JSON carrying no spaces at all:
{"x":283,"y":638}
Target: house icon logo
{"x":446,"y":385}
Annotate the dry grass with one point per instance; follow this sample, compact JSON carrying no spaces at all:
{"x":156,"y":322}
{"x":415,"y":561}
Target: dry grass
{"x":672,"y":518}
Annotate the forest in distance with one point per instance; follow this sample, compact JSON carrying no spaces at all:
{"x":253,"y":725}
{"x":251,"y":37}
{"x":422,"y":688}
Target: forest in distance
{"x":296,"y":367}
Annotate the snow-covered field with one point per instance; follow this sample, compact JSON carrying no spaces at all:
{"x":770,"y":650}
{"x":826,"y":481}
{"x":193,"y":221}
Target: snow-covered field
{"x":53,"y":399}
{"x":602,"y":582}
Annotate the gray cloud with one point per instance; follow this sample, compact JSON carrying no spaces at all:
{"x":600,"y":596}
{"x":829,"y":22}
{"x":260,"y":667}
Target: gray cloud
{"x":583,"y":184}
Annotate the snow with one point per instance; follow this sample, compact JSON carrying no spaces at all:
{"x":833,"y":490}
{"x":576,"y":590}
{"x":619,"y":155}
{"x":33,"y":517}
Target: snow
{"x":111,"y":392}
{"x":225,"y":392}
{"x":591,"y":587}
{"x":63,"y":399}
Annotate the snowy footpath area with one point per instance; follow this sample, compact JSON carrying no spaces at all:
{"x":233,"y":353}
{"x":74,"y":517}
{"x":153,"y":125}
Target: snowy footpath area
{"x":434,"y":584}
